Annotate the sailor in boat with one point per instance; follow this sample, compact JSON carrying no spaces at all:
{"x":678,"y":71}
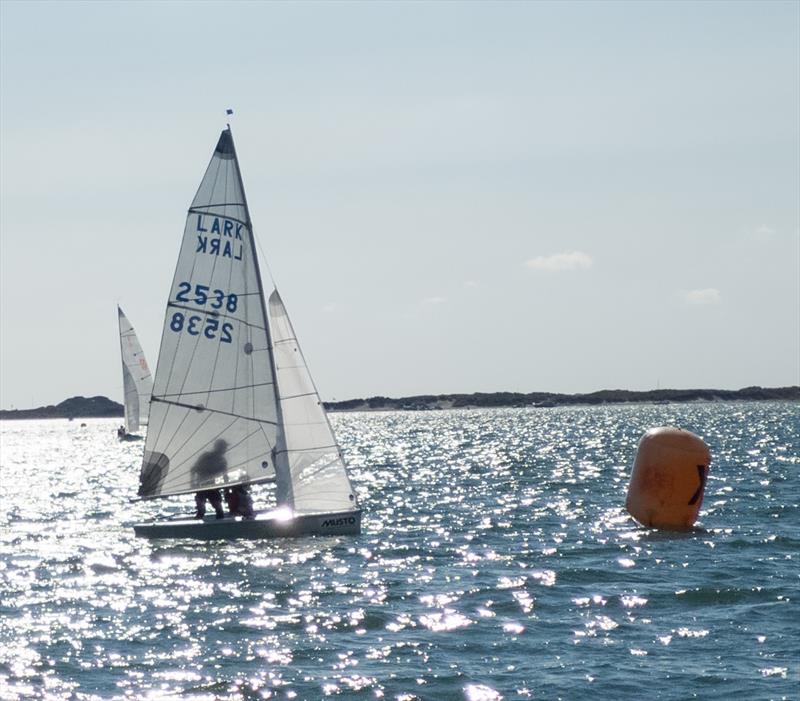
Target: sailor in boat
{"x":207,"y":465}
{"x":239,"y":501}
{"x":213,"y":497}
{"x":210,"y":464}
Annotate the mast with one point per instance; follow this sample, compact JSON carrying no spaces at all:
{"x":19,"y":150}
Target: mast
{"x":262,"y":301}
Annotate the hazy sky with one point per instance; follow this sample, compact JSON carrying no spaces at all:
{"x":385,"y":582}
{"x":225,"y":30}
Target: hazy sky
{"x":453,"y":197}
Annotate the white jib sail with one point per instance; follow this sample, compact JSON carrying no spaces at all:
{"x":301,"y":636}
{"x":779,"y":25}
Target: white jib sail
{"x":214,"y":415}
{"x":311,"y":473}
{"x":136,"y":378}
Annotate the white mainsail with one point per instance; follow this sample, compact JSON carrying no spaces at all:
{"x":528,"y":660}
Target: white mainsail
{"x":311,"y":473}
{"x":214,"y":416}
{"x":136,"y":378}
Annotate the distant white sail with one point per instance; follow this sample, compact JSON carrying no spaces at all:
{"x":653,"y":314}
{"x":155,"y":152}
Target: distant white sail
{"x":311,"y":473}
{"x":136,"y":378}
{"x":214,"y":416}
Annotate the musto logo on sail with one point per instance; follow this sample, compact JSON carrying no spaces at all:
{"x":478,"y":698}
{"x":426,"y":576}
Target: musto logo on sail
{"x":341,"y":521}
{"x":228,"y":243}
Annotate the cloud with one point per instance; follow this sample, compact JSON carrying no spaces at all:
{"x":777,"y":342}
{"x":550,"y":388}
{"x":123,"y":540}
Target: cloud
{"x":330,"y":307}
{"x":764,"y":232}
{"x":574,"y":260}
{"x":709,"y":295}
{"x":433,"y":300}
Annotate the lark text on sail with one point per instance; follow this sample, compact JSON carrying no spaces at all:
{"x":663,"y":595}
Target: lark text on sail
{"x":217,"y":236}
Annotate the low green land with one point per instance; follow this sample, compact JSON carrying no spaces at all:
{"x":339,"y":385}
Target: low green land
{"x":100,"y":407}
{"x":72,"y":408}
{"x":547,"y":399}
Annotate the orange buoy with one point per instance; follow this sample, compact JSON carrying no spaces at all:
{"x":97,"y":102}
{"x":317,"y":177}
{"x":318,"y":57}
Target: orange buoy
{"x":668,"y":479}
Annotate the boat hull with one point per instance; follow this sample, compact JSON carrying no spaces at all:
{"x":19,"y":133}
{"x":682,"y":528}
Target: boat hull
{"x":264,"y":525}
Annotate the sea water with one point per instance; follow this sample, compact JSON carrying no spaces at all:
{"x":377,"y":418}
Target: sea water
{"x":496,"y":562}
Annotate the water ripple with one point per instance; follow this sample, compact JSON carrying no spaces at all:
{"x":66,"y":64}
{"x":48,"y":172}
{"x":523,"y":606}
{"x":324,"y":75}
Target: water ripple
{"x":497,"y":562}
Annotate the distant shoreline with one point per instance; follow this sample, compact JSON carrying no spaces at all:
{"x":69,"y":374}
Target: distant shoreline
{"x":102,"y":407}
{"x":72,"y":408}
{"x":547,"y":399}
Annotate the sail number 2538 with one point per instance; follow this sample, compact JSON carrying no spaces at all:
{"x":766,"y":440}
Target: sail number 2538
{"x":195,"y":325}
{"x":203,"y":295}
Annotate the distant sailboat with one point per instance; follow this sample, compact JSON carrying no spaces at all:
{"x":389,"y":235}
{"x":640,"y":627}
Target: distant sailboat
{"x":233,"y":401}
{"x":136,"y":380}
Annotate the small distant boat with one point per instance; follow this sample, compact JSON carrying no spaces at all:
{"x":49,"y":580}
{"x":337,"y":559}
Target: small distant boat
{"x":136,"y":380}
{"x":233,"y":401}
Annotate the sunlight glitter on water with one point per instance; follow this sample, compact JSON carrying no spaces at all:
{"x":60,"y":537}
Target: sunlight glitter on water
{"x":493,"y":541}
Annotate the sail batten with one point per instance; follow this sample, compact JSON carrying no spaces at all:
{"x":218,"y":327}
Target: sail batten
{"x":208,"y":391}
{"x":203,"y":408}
{"x":217,"y":204}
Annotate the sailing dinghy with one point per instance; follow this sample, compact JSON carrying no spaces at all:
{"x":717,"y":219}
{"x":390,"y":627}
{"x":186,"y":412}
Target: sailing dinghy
{"x":233,"y":401}
{"x":136,"y":380}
